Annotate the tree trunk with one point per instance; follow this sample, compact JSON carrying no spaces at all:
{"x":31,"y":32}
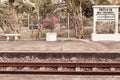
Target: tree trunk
{"x":32,"y":30}
{"x":74,"y":7}
{"x":16,"y":25}
{"x":39,"y":27}
{"x":80,"y":22}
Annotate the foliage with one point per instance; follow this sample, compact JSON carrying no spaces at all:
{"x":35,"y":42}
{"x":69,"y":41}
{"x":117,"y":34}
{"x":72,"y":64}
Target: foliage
{"x":50,"y":22}
{"x":87,"y":9}
{"x":87,"y":21}
{"x":10,"y":12}
{"x":7,"y":20}
{"x":102,"y":2}
{"x":75,"y":9}
{"x":40,"y":9}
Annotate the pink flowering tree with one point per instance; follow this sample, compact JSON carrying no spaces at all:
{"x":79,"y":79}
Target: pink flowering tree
{"x":50,"y":22}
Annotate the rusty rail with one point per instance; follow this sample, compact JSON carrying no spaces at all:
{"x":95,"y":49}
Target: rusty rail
{"x":88,"y":68}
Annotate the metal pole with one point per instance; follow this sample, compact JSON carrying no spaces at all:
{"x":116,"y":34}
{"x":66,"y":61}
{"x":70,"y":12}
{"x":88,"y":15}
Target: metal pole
{"x":68,"y":25}
{"x":28,"y":21}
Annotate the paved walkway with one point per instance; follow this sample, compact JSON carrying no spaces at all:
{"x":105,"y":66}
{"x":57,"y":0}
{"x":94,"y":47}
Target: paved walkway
{"x":70,"y":46}
{"x":57,"y":77}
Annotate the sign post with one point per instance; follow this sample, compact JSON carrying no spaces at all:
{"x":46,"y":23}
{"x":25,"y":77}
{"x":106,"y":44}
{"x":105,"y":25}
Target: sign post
{"x":105,"y":23}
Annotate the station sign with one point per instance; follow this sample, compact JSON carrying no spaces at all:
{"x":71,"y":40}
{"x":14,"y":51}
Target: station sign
{"x":105,"y":24}
{"x":105,"y":13}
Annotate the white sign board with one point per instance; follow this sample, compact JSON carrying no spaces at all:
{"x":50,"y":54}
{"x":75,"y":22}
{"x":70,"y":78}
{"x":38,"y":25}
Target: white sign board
{"x":106,"y":13}
{"x":105,"y":23}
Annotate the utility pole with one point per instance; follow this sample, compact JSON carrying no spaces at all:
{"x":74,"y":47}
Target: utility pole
{"x":68,"y":25}
{"x":28,"y":21}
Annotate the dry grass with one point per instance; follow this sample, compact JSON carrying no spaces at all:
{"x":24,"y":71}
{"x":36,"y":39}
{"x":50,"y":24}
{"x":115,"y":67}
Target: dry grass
{"x":27,"y":34}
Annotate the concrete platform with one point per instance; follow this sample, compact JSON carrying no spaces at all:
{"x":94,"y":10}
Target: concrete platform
{"x":60,"y":46}
{"x":57,"y":77}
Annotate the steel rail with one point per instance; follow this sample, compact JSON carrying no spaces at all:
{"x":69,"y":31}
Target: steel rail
{"x":84,"y":65}
{"x":50,"y":64}
{"x":61,"y":72}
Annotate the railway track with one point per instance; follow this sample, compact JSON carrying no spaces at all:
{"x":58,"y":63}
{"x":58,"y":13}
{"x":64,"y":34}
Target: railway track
{"x":60,"y":68}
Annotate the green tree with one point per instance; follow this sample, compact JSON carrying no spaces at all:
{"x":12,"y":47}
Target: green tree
{"x":9,"y":17}
{"x":36,"y":4}
{"x":100,"y":2}
{"x":75,"y":7}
